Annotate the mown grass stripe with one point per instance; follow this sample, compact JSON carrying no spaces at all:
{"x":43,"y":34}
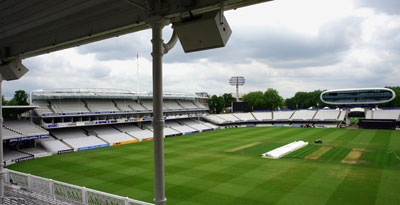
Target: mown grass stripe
{"x":318,"y":153}
{"x":198,"y":171}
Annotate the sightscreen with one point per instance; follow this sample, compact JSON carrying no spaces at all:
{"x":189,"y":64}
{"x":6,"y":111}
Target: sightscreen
{"x":240,"y":107}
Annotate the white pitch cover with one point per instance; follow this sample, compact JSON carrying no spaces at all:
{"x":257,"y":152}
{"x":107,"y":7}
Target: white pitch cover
{"x":284,"y":150}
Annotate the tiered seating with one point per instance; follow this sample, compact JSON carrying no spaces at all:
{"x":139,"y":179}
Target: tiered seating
{"x":25,"y":127}
{"x":136,"y":106}
{"x":229,"y":117}
{"x":263,"y":116}
{"x":180,"y":128}
{"x":212,"y":126}
{"x":8,"y":134}
{"x":110,"y":134}
{"x":77,"y":139}
{"x":187,"y":104}
{"x":327,"y":115}
{"x":393,"y":114}
{"x":215,"y":119}
{"x":168,"y":132}
{"x":11,"y":155}
{"x":147,"y":104}
{"x":53,"y":145}
{"x":199,"y":105}
{"x":282,"y":115}
{"x":140,"y":134}
{"x":101,"y":105}
{"x":69,"y":106}
{"x":36,"y":152}
{"x":171,"y":105}
{"x":244,"y":116}
{"x":196,"y":125}
{"x":43,"y":107}
{"x":303,"y":115}
{"x":123,"y":105}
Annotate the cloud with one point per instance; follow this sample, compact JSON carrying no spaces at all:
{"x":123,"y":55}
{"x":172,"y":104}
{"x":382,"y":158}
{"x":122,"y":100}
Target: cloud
{"x":287,"y":45}
{"x":282,"y":48}
{"x":120,"y":48}
{"x":386,"y":6}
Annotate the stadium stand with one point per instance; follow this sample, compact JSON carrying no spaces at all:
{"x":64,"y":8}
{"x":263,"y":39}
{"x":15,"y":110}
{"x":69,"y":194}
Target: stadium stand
{"x":81,"y":119}
{"x":180,"y":128}
{"x":55,"y":146}
{"x":43,"y":107}
{"x":9,"y":134}
{"x":210,"y":125}
{"x":168,"y":132}
{"x":123,"y":105}
{"x":136,"y":106}
{"x":142,"y":135}
{"x":303,"y":115}
{"x":263,"y":116}
{"x":229,"y":117}
{"x":187,"y":104}
{"x":244,"y":116}
{"x":25,"y":127}
{"x":36,"y":152}
{"x":12,"y":156}
{"x":282,"y":115}
{"x":98,"y":105}
{"x":342,"y":115}
{"x":171,"y":105}
{"x":393,"y":114}
{"x":111,"y":135}
{"x":368,"y":114}
{"x":196,"y":125}
{"x":147,"y":104}
{"x":136,"y":132}
{"x":69,"y":106}
{"x":77,"y":139}
{"x":327,"y":114}
{"x":216,"y":119}
{"x":199,"y":105}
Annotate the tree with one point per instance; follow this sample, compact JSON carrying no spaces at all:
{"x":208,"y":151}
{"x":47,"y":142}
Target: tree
{"x":228,"y":99}
{"x":272,"y":99}
{"x":215,"y":104}
{"x":3,"y":100}
{"x":20,"y":98}
{"x":256,"y":100}
{"x":304,"y":100}
{"x":396,"y":101}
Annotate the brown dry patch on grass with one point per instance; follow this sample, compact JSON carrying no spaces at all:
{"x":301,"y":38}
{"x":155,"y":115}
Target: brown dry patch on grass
{"x":243,"y":147}
{"x":318,"y":153}
{"x":354,"y":155}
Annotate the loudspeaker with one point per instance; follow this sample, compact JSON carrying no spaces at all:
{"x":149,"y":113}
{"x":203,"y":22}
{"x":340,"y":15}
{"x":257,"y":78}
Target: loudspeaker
{"x":12,"y":70}
{"x":207,"y":31}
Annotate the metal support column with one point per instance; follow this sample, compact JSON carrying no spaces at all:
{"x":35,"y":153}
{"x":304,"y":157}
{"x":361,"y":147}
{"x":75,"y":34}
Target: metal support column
{"x":348,"y":120}
{"x":237,"y":92}
{"x":2,"y":172}
{"x":157,"y":25}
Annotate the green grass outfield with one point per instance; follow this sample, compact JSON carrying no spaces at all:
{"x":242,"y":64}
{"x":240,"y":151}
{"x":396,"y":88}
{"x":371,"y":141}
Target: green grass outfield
{"x":198,"y":169}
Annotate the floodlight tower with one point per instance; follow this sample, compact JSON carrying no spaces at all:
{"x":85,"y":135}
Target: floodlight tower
{"x":237,"y":81}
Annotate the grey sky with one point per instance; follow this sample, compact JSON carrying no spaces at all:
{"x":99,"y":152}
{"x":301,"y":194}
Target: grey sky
{"x":287,"y":45}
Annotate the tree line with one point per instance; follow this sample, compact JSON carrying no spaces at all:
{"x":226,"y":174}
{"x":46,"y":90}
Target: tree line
{"x":20,"y":98}
{"x":271,"y":100}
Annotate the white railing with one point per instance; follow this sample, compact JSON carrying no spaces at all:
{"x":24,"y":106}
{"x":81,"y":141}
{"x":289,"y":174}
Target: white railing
{"x":68,"y":192}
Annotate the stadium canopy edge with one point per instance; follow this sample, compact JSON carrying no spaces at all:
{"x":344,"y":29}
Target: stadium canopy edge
{"x":60,"y":24}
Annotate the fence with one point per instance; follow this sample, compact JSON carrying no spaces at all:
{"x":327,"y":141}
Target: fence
{"x":68,"y":192}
